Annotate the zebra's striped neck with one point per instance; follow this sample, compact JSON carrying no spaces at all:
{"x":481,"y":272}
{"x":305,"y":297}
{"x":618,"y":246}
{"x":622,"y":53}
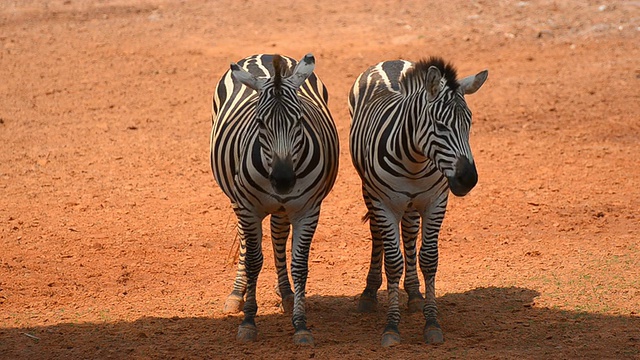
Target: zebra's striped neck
{"x":413,"y":133}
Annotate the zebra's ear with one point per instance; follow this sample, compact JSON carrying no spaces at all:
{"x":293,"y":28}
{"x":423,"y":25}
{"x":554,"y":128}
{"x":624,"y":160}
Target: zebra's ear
{"x":303,"y":70}
{"x":472,"y":83}
{"x":433,"y":82}
{"x":246,"y":77}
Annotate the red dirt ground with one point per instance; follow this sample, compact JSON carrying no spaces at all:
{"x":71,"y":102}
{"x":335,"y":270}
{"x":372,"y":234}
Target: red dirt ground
{"x":115,"y":241}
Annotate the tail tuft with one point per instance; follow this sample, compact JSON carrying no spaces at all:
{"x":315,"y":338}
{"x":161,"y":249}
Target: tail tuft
{"x":366,"y":217}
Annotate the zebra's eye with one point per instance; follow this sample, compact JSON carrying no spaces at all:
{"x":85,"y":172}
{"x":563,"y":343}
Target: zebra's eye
{"x":440,"y":127}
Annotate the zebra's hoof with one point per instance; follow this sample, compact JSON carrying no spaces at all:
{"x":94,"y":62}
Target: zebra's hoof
{"x":367,"y":304}
{"x":247,"y":333}
{"x":415,"y":304}
{"x":287,"y":304}
{"x":233,"y":304}
{"x":433,"y":335}
{"x":303,"y":337}
{"x":390,"y":338}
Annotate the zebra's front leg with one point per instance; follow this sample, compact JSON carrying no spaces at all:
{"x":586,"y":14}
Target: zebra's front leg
{"x":250,"y":234}
{"x":393,"y":267}
{"x":303,"y":231}
{"x":280,"y":228}
{"x":235,"y":301}
{"x":410,"y":228}
{"x":385,"y":230}
{"x":431,"y":223}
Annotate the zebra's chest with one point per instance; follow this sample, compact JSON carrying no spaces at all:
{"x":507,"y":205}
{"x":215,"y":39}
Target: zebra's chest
{"x":416,"y":190}
{"x":259,"y":190}
{"x":403,"y":185}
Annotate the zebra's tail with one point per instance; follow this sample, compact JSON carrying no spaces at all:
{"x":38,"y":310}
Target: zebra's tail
{"x":234,"y":251}
{"x":366,"y":217}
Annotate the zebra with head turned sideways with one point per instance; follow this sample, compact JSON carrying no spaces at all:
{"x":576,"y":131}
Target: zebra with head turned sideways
{"x":274,"y":151}
{"x":409,"y":143}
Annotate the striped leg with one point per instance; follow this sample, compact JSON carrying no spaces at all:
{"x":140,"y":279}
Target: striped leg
{"x":280,"y":228}
{"x":393,"y":267}
{"x":410,"y":227}
{"x":235,"y":301}
{"x":303,"y":231}
{"x":279,"y":233}
{"x":429,"y":265}
{"x":250,"y":234}
{"x":369,"y":299}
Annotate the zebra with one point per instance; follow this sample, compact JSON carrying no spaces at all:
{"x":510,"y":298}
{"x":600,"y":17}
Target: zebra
{"x":409,"y":143}
{"x":274,"y":151}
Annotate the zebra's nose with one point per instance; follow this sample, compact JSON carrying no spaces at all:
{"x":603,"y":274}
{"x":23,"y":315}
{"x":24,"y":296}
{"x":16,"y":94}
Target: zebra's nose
{"x":465,"y":177}
{"x":282,"y":176}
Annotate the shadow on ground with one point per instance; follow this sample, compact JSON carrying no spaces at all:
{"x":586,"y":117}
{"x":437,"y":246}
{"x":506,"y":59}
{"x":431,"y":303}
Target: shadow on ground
{"x":485,"y":322}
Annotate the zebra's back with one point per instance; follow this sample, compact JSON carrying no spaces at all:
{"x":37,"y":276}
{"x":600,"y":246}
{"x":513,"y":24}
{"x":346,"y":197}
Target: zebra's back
{"x":380,"y":80}
{"x":261,"y":65}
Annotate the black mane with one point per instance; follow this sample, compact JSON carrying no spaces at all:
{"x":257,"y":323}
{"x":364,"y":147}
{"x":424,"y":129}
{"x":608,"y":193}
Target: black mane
{"x":420,"y":69}
{"x":280,"y":70}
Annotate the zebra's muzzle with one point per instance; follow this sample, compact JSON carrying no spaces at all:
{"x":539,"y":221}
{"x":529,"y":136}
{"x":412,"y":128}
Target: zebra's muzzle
{"x":282,"y":176}
{"x":465,"y":177}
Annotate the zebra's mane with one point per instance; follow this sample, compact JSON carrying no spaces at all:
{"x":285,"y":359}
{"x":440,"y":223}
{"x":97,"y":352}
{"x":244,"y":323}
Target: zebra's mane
{"x":280,"y":71}
{"x":418,"y":73}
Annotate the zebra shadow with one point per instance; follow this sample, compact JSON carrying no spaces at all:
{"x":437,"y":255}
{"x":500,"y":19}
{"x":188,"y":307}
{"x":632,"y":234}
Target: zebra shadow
{"x":502,"y":322}
{"x":482,"y":323}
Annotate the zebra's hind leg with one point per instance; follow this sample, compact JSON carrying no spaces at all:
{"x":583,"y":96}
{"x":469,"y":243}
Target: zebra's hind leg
{"x":303,"y":231}
{"x":368,"y":302}
{"x":250,"y":234}
{"x":410,"y":227}
{"x":235,"y":301}
{"x":280,"y":228}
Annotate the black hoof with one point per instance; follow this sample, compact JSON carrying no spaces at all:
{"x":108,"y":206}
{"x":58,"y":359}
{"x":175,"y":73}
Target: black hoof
{"x":233,"y":304}
{"x":433,"y":333}
{"x":390,"y":338}
{"x":303,"y":337}
{"x":247,"y":333}
{"x":367,"y":304}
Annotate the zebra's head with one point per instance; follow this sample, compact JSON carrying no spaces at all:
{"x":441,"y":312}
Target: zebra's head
{"x":279,"y":114}
{"x":450,"y":124}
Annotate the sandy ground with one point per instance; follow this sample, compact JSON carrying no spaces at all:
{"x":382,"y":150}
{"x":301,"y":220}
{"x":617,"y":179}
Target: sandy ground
{"x":115,"y":242}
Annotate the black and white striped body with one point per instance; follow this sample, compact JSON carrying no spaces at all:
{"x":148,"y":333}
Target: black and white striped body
{"x":274,"y":151}
{"x":409,"y":143}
